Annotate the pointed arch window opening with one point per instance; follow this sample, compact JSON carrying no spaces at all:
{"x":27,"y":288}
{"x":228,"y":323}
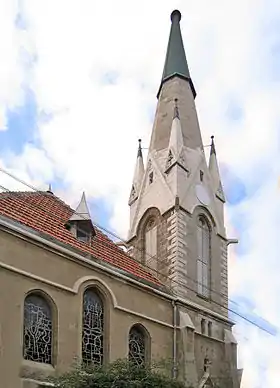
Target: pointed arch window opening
{"x":93,"y":328}
{"x":133,"y":195}
{"x":37,"y":329}
{"x":150,"y":244}
{"x":170,"y":159}
{"x":133,"y":191}
{"x":137,"y":346}
{"x":151,"y":177}
{"x":203,"y":260}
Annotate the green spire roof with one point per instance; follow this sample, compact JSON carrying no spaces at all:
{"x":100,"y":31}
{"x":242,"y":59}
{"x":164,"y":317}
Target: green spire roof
{"x":175,"y":61}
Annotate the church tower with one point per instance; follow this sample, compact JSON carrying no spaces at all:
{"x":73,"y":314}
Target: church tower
{"x":177,"y":201}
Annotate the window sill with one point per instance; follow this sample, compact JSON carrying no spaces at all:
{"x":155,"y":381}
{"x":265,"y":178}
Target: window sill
{"x":36,"y":370}
{"x":36,"y":383}
{"x":206,"y":298}
{"x":209,"y":338}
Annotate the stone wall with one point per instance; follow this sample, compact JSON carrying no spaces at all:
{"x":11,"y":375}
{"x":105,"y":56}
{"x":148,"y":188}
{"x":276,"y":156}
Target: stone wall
{"x":177,"y":251}
{"x":224,"y":273}
{"x":25,"y":267}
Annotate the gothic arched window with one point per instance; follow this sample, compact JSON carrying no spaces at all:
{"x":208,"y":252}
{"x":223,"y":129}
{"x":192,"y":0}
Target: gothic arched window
{"x":137,"y":343}
{"x":203,"y":259}
{"x":37,"y":329}
{"x":151,"y":244}
{"x":93,"y":328}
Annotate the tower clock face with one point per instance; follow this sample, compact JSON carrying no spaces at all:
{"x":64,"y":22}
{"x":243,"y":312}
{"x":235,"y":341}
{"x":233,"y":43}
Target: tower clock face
{"x":202,"y":194}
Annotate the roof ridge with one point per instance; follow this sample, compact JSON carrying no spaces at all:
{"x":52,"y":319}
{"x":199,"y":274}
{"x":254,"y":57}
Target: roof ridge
{"x":44,"y":193}
{"x":40,"y":217}
{"x":38,"y":192}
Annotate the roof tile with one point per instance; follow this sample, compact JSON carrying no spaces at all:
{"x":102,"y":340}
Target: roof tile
{"x":46,"y":213}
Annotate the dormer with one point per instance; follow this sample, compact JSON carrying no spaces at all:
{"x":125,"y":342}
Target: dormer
{"x":80,"y":224}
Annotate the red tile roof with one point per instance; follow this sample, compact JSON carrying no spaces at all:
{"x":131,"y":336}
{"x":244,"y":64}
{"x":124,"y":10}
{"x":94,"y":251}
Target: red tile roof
{"x":44,"y":212}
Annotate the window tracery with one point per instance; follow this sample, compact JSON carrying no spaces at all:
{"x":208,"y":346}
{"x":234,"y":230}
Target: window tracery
{"x":37,"y":329}
{"x":137,"y":346}
{"x":203,"y":260}
{"x":93,"y":328}
{"x":150,"y":244}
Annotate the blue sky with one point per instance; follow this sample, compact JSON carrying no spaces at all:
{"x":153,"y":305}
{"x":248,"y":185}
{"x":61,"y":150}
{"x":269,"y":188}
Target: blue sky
{"x":72,"y":106}
{"x":21,"y":125}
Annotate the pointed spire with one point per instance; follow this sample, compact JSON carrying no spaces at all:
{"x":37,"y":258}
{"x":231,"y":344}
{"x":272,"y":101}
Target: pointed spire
{"x":82,"y":212}
{"x":175,"y":82}
{"x":139,"y":154}
{"x":214,"y":172}
{"x":213,"y":150}
{"x":175,"y":60}
{"x":176,"y":137}
{"x":138,"y":174}
{"x":139,"y":167}
{"x":176,"y":109}
{"x":213,"y":165}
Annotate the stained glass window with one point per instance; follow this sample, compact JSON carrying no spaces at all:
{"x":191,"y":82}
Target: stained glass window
{"x":137,"y":346}
{"x":37,"y":329}
{"x":203,"y":260}
{"x":93,"y":328}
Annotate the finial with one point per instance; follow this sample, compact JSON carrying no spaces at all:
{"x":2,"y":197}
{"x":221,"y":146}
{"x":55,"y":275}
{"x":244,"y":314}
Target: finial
{"x":50,"y":189}
{"x":213,"y":150}
{"x":176,"y":109}
{"x":175,"y":16}
{"x":139,"y":149}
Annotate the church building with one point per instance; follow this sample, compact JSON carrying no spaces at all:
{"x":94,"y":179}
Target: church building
{"x":67,"y":292}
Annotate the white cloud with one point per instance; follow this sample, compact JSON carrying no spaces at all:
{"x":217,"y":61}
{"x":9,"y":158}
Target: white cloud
{"x":31,"y":167}
{"x":11,"y":64}
{"x":91,"y":140}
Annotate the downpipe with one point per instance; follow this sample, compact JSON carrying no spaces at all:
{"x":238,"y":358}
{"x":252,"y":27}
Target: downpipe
{"x":174,"y":366}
